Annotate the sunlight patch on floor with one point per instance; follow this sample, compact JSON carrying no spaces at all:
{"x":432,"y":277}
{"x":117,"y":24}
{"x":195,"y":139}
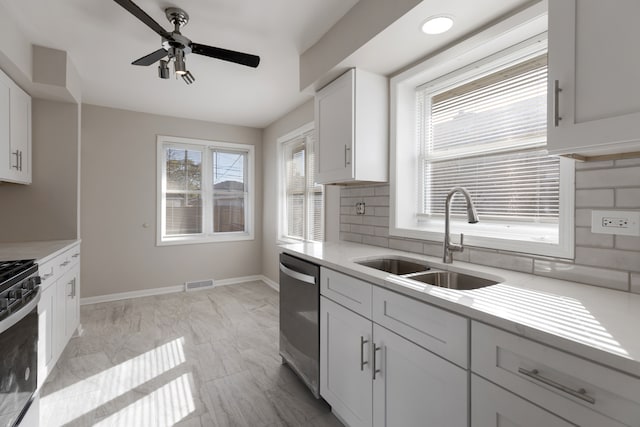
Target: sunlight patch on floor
{"x":90,"y":393}
{"x":162,"y":408}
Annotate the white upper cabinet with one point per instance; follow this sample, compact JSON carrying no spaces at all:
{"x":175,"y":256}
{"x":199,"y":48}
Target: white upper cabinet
{"x":15,"y":132}
{"x":352,"y":136}
{"x":594,"y":93}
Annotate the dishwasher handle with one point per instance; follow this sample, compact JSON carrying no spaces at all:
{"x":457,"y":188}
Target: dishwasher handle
{"x":298,"y":276}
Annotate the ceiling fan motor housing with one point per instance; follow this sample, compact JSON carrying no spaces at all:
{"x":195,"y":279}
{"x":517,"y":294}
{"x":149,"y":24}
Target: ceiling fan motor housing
{"x":178,"y":17}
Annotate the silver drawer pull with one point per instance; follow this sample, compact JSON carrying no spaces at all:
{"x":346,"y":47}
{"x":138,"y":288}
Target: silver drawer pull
{"x":580,"y":394}
{"x":64,"y":264}
{"x":375,"y":350}
{"x":362,"y":361}
{"x":46,"y":276}
{"x":75,"y":255}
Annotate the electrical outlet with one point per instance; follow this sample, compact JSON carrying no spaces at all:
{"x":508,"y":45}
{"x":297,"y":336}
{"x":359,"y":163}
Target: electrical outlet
{"x":626,"y":223}
{"x":360,"y":208}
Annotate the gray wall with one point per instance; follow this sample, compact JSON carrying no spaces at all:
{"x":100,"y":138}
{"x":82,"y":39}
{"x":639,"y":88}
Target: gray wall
{"x":48,"y":208}
{"x":288,"y":123}
{"x":119,"y":195}
{"x":600,"y":259}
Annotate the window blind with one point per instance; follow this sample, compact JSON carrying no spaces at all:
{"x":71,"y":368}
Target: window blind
{"x":304,"y":200}
{"x":488,"y":135}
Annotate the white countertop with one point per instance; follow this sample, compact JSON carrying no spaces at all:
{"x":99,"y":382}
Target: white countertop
{"x":594,"y":323}
{"x":40,"y":251}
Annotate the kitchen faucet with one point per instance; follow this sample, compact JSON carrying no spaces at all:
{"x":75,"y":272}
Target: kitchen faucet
{"x":472,"y":216}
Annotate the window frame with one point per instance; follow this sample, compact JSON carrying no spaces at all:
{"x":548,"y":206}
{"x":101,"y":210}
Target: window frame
{"x":207,"y":148}
{"x":516,"y":37}
{"x":290,"y":137}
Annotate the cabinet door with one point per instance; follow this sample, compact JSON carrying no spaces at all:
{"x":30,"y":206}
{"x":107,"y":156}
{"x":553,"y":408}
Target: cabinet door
{"x":72,"y":300}
{"x":5,"y":134}
{"x":334,"y":110}
{"x":20,"y":123}
{"x":492,"y":406}
{"x":46,"y":310}
{"x":345,"y":374}
{"x":415,"y":387}
{"x":599,"y":102}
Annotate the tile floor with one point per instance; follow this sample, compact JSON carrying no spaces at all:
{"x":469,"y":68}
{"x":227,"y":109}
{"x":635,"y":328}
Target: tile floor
{"x":205,"y":358}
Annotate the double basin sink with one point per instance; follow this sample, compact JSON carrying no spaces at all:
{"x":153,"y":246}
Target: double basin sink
{"x":424,"y":273}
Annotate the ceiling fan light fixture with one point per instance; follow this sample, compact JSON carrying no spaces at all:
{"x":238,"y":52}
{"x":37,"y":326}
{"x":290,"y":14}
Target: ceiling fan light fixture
{"x":178,"y":63}
{"x":163,"y":69}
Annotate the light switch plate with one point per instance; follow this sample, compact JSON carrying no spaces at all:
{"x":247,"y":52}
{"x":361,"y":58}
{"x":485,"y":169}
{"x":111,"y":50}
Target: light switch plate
{"x":625,"y":223}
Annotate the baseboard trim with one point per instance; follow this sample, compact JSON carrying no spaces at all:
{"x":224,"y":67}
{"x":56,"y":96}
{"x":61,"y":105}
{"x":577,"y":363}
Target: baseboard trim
{"x":174,"y":289}
{"x":274,"y":285}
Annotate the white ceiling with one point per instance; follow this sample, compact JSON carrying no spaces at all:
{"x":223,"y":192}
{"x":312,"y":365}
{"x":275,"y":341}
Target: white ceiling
{"x":103,"y":39}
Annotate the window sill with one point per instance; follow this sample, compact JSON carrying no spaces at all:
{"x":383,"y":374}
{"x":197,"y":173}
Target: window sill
{"x":200,"y":239}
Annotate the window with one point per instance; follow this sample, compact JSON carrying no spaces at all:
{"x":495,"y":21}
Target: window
{"x":302,"y":206}
{"x":483,"y":127}
{"x":205,"y":191}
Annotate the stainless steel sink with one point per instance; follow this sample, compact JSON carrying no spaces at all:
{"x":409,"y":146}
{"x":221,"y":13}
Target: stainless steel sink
{"x":397,"y":266}
{"x":452,"y":280}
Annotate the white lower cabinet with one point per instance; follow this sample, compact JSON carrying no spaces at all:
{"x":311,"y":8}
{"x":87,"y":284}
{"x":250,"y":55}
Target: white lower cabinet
{"x":58,"y":309}
{"x":492,"y":406}
{"x":414,"y":387}
{"x":372,"y":376}
{"x":345,"y":373}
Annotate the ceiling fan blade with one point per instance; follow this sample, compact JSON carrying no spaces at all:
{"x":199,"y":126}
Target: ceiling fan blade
{"x":226,"y":55}
{"x":151,"y":58}
{"x":133,"y":9}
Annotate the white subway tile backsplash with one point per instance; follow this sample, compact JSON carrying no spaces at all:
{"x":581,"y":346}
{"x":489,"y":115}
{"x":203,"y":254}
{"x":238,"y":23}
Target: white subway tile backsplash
{"x":382,"y":211}
{"x":584,"y":237}
{"x":351,"y":219}
{"x":635,"y":283}
{"x":382,"y":190}
{"x":629,"y":243}
{"x":595,"y":198}
{"x":608,"y":258}
{"x":378,"y":221}
{"x":579,"y":273}
{"x":601,"y":259}
{"x":628,"y":197}
{"x":406,"y":245}
{"x":608,"y":178}
{"x":375,"y":241}
{"x":501,"y":260}
{"x":583,"y":218}
{"x":362,"y":229}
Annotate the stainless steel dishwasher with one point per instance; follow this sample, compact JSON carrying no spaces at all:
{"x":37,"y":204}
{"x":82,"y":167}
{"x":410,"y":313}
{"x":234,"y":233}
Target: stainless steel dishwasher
{"x":299,"y":319}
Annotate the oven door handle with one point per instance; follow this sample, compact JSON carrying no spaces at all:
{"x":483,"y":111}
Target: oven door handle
{"x":296,"y":275}
{"x":20,"y":314}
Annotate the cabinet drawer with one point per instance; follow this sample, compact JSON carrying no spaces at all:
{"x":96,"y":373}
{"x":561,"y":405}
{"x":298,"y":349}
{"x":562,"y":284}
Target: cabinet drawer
{"x":443,"y":333}
{"x":48,"y":272}
{"x":573,"y":388}
{"x":352,"y":293}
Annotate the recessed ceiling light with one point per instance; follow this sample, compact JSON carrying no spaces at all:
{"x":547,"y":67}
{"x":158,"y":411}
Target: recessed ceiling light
{"x":437,"y":24}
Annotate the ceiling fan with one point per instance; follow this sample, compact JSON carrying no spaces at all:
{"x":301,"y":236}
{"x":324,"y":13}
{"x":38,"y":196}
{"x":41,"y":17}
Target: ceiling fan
{"x":175,"y":46}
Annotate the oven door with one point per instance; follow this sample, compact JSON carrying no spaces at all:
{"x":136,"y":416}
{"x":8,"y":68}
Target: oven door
{"x":18,"y":362}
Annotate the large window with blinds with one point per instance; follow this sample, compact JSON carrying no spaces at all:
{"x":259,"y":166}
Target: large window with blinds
{"x":205,"y":191}
{"x":484,"y":128}
{"x":302,"y":200}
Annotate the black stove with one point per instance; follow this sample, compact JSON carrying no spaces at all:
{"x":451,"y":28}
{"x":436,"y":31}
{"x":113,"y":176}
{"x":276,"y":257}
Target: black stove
{"x":19,"y":282}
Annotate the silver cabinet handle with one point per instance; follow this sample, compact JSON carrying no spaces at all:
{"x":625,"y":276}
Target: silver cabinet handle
{"x":17,"y":154}
{"x":20,"y":158}
{"x":64,"y":264}
{"x":296,"y":275}
{"x":46,"y":276}
{"x":580,"y":394}
{"x":375,"y":350}
{"x":72,"y":294}
{"x":556,"y":103}
{"x":362,"y":361}
{"x":347,"y":155}
{"x":75,"y":255}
